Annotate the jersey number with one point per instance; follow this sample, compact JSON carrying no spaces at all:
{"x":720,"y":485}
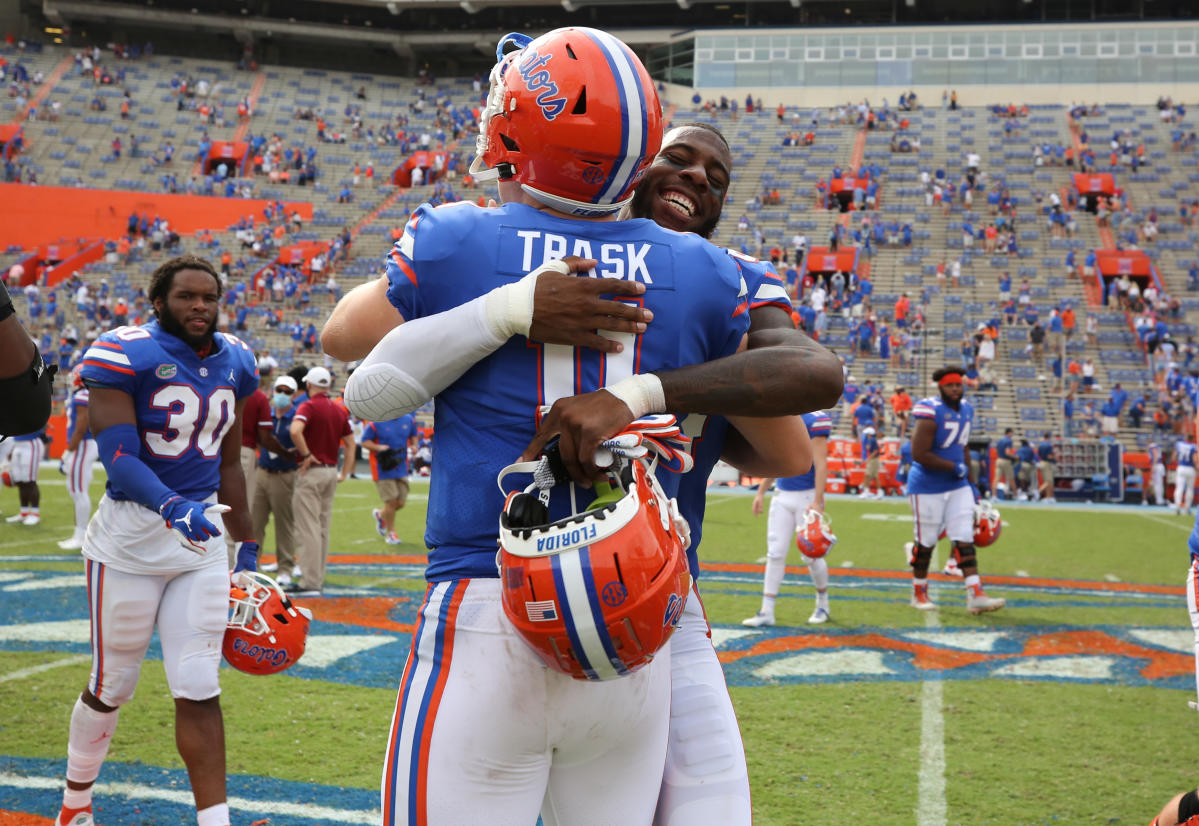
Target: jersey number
{"x":559,"y":378}
{"x":187,"y":410}
{"x":954,"y":436}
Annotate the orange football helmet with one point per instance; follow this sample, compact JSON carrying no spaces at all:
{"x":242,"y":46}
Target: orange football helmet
{"x":987,"y":524}
{"x":815,"y":536}
{"x":266,"y":633}
{"x":573,"y":116}
{"x":596,"y":594}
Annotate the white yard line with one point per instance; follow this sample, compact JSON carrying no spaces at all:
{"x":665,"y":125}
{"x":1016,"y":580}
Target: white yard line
{"x":138,"y":791}
{"x":1173,"y":523}
{"x":22,"y":673}
{"x":930,"y":802}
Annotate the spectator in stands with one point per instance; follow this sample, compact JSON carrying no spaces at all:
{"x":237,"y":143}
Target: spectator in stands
{"x":1088,"y":375}
{"x":1109,"y":418}
{"x":1068,"y":414}
{"x":870,"y":458}
{"x":901,"y":408}
{"x":1136,"y":411}
{"x":1036,"y":342}
{"x":863,"y":416}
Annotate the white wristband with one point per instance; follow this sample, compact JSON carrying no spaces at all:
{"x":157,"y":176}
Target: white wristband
{"x":510,"y":307}
{"x":641,"y":393}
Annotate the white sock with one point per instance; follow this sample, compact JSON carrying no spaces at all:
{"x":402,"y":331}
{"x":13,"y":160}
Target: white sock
{"x":83,"y":509}
{"x":76,"y":798}
{"x":217,"y":815}
{"x":91,"y":734}
{"x":974,"y":584}
{"x":775,"y":568}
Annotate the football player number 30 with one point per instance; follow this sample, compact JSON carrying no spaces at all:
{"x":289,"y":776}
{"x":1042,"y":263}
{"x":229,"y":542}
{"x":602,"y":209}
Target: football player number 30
{"x":187,"y":410}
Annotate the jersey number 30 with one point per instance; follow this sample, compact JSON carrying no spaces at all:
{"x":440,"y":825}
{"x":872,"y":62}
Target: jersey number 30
{"x":187,"y":410}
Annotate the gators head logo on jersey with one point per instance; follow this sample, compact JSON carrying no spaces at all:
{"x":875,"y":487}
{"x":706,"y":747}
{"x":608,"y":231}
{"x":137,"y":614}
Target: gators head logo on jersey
{"x":166,"y":371}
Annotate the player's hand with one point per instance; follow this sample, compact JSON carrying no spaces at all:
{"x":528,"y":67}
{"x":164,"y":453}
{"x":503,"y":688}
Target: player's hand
{"x":246,"y":556}
{"x":568,"y":309}
{"x":580,"y":423}
{"x":757,"y":505}
{"x":66,"y":459}
{"x":959,"y":470}
{"x":191,"y":521}
{"x":817,"y":505}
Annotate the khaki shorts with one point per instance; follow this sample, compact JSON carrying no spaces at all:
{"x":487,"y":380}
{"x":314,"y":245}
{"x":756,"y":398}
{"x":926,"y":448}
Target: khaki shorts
{"x":393,"y":489}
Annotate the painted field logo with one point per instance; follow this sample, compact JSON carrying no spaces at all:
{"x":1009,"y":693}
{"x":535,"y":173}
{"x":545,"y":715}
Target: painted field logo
{"x":614,"y":594}
{"x":536,"y":77}
{"x":166,"y":371}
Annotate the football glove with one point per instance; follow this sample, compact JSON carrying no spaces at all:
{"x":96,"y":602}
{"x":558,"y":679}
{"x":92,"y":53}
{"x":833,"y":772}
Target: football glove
{"x":247,"y":556}
{"x":190,"y":521}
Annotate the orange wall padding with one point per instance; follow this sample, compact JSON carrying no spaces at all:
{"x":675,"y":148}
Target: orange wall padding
{"x":31,"y":215}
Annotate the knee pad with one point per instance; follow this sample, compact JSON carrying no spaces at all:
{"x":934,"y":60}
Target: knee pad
{"x":116,"y":686}
{"x":922,"y":557}
{"x":967,"y":555}
{"x":705,"y":744}
{"x":196,"y":676}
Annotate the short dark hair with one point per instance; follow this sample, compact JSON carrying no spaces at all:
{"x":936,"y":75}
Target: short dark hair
{"x":945,"y":371}
{"x":164,"y":276}
{"x":701,"y":125}
{"x":1007,"y":430}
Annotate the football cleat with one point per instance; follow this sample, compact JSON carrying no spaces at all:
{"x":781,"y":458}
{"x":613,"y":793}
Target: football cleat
{"x":31,"y":519}
{"x":392,"y":539}
{"x":573,"y":117}
{"x":819,"y":616}
{"x":269,"y":567}
{"x":759,"y":619}
{"x":920,"y":598}
{"x":597,"y":593}
{"x":15,"y":518}
{"x":987,"y":524}
{"x":952,"y":568}
{"x":815,"y":536}
{"x":266,"y":632}
{"x":71,"y":544}
{"x":980,"y":603}
{"x":379,"y":526}
{"x":83,"y":818}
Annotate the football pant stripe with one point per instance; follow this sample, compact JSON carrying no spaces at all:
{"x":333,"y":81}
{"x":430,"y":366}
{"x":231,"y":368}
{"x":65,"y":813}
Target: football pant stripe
{"x":447,"y":619}
{"x":634,"y":120}
{"x":391,"y":765}
{"x":95,"y":596}
{"x":915,"y":500}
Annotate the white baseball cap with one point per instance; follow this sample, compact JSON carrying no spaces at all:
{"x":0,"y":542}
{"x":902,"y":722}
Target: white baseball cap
{"x":318,"y":376}
{"x":286,"y":381}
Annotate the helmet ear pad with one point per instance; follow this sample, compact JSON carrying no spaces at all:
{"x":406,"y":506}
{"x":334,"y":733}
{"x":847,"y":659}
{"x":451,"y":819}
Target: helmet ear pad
{"x":525,"y":510}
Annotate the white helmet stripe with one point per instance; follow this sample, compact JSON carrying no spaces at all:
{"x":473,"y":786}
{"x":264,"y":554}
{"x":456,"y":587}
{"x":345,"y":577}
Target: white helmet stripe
{"x":635,"y":117}
{"x":588,"y":635}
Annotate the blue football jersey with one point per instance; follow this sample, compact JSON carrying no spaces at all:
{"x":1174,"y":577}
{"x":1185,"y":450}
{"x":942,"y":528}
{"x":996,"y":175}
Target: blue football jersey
{"x":185,"y":404}
{"x":78,"y":399}
{"x":1185,"y":451}
{"x":953,"y":431}
{"x":456,"y":252}
{"x":707,"y":433}
{"x":819,"y":427}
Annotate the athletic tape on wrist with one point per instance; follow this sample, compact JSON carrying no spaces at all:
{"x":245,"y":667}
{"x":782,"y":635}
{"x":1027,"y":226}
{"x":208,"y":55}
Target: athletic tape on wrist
{"x":641,"y":393}
{"x":510,"y":307}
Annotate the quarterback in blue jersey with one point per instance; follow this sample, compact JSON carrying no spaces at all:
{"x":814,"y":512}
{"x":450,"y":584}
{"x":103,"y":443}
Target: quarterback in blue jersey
{"x":683,"y":190}
{"x":165,"y":406}
{"x":788,"y":508}
{"x":941,"y":492}
{"x":480,"y":411}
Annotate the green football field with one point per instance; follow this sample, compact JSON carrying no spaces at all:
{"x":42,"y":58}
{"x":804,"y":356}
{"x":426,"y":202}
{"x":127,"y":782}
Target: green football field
{"x":1069,"y":706}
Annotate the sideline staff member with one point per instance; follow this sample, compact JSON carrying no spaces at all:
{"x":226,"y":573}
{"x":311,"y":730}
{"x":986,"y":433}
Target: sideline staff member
{"x":316,"y":430}
{"x":276,"y":484}
{"x":25,"y":381}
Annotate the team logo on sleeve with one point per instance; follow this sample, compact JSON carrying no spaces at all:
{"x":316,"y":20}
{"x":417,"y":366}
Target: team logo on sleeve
{"x":166,"y":371}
